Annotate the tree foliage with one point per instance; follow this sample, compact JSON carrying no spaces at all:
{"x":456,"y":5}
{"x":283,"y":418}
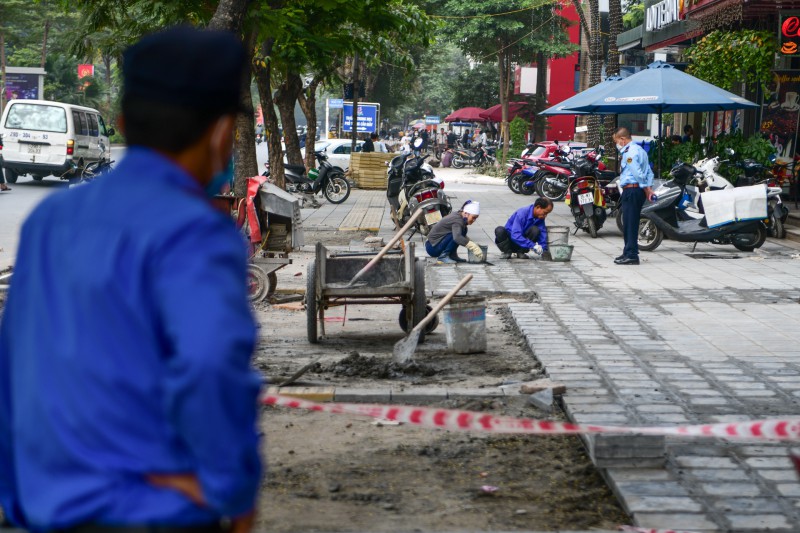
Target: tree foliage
{"x":507,"y":32}
{"x":725,"y":58}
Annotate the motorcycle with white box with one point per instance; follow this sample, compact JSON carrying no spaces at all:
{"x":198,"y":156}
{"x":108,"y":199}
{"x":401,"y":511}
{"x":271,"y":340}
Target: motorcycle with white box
{"x":732,"y":216}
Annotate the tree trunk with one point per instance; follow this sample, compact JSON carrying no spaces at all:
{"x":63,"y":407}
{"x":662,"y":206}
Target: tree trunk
{"x":596,"y":59}
{"x":245,"y":164}
{"x":612,"y":66}
{"x":3,"y":70}
{"x":587,"y":30}
{"x":229,"y":15}
{"x":504,"y":67}
{"x":308,"y":103}
{"x":44,"y":41}
{"x":356,"y":77}
{"x":263,"y":71}
{"x":286,"y":98}
{"x":107,"y":63}
{"x":540,"y":122}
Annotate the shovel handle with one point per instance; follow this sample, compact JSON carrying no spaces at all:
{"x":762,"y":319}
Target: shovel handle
{"x":388,"y":247}
{"x":439,"y":306}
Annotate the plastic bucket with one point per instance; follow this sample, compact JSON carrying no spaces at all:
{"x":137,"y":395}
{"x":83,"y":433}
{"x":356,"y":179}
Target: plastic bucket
{"x":557,"y":235}
{"x":471,"y":257}
{"x":561,"y":252}
{"x":465,"y":324}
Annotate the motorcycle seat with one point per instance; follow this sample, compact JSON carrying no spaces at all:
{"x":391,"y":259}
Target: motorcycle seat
{"x":295,"y":169}
{"x":557,"y":164}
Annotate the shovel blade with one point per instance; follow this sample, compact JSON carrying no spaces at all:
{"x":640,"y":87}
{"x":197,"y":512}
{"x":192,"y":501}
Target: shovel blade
{"x":404,"y":348}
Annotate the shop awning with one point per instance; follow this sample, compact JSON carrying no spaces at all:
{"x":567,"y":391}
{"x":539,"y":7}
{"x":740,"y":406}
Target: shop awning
{"x":628,"y":46}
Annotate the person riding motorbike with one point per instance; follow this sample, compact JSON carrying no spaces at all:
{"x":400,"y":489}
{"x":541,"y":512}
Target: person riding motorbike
{"x":451,"y":232}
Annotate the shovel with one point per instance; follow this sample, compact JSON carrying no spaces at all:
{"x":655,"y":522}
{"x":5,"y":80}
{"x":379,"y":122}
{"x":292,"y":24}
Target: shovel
{"x":386,"y":248}
{"x":404,"y":348}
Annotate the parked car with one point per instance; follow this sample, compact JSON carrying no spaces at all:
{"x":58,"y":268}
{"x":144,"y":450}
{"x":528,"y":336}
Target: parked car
{"x":40,"y":138}
{"x":337,"y":150}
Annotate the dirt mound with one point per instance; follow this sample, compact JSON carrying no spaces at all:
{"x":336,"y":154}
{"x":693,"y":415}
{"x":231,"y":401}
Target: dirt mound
{"x":356,"y":365}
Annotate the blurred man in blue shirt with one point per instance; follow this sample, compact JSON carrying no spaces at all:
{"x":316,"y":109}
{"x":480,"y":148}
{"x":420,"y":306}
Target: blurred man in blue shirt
{"x":127,"y":399}
{"x":636,"y":179}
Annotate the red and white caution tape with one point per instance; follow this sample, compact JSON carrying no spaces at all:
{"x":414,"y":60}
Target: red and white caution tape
{"x":457,"y":420}
{"x":632,"y":529}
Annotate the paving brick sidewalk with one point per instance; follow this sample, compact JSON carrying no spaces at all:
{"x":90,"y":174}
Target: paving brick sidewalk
{"x":683,"y":338}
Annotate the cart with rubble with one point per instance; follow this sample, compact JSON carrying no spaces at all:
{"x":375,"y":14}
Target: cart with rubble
{"x":395,"y":279}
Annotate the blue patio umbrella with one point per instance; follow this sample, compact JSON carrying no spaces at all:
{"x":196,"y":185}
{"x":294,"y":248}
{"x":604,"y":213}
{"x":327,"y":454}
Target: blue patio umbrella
{"x":661,"y":88}
{"x":566,"y":107}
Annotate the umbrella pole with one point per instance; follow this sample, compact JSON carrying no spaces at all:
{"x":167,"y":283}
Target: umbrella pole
{"x":660,"y":144}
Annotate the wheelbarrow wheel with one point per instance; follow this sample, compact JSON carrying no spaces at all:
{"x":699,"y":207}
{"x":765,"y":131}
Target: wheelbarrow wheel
{"x":257,"y":283}
{"x":311,"y":303}
{"x":432,"y":325}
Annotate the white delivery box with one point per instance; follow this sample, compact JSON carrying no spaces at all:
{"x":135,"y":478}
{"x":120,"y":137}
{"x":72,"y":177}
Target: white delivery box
{"x":731,"y":205}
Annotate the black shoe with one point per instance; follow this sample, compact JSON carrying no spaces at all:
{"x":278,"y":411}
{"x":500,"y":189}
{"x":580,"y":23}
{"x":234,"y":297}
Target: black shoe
{"x":627,"y":261}
{"x":454,"y":257}
{"x":619,"y":257}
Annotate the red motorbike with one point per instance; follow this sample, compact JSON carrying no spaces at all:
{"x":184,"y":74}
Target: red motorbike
{"x":554,"y":179}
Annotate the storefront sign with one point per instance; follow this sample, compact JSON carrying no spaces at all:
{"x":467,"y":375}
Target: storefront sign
{"x":789,"y":38}
{"x":780,"y":113}
{"x":663,"y":14}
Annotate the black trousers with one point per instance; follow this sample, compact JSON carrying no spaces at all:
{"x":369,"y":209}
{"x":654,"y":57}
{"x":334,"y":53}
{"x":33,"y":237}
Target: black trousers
{"x":503,"y":240}
{"x":632,"y":201}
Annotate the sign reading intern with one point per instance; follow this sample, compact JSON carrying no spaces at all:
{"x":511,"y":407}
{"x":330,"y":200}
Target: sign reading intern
{"x":663,"y":14}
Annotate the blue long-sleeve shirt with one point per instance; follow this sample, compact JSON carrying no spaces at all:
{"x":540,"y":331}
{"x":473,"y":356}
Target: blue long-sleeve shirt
{"x":635,"y":166}
{"x":125,"y":350}
{"x":520,"y":221}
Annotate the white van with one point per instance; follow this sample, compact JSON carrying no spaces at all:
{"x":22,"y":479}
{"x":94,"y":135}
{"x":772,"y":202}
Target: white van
{"x":40,"y":138}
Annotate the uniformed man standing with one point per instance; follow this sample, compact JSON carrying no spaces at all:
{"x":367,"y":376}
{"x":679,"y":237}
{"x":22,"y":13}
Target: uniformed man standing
{"x":127,"y":398}
{"x":636,"y":180}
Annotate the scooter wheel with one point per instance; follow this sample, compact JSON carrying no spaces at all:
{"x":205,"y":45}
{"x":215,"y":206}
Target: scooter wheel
{"x":618,"y":218}
{"x":512,"y":182}
{"x":759,"y":238}
{"x":551,"y":192}
{"x":776,"y":227}
{"x":457,"y":162}
{"x":592,"y":227}
{"x":527,"y":190}
{"x":650,"y":236}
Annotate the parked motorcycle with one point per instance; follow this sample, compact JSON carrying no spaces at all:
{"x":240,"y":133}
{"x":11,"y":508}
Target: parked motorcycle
{"x":463,"y":157}
{"x":586,"y":195}
{"x":327,"y":179}
{"x":662,"y":218}
{"x":777,"y":212}
{"x":411,"y":186}
{"x":553,"y":183}
{"x":755,"y":173}
{"x":521,"y":171}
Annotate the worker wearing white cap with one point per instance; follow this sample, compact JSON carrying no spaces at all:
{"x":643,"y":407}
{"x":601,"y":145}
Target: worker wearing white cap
{"x":451,"y":232}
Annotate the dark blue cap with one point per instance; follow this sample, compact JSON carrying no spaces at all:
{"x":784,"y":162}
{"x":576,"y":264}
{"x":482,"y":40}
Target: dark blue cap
{"x":186,"y":67}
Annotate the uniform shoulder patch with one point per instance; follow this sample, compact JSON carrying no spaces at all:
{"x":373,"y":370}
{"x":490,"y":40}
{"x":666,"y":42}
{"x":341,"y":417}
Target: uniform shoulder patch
{"x":630,"y":160}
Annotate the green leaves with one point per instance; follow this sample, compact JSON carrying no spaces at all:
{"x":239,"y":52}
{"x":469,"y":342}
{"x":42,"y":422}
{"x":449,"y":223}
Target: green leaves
{"x":726,"y":58}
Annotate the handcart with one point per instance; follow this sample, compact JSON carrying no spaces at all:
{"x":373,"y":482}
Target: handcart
{"x":395,"y":279}
{"x":270,"y":218}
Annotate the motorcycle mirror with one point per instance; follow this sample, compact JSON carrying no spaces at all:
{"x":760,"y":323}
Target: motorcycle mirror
{"x":566,"y":149}
{"x":729,"y":151}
